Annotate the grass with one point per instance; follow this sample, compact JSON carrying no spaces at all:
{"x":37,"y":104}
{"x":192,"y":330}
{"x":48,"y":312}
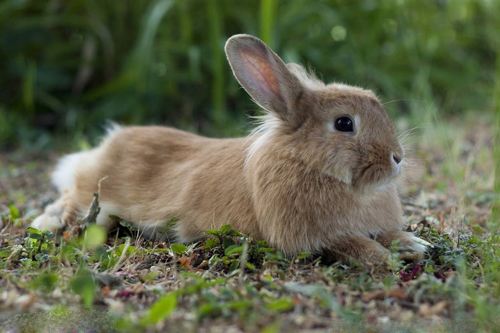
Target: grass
{"x":228,"y":281}
{"x":67,"y":67}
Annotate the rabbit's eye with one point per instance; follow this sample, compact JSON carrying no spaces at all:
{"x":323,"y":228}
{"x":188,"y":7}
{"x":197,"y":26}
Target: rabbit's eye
{"x":344,"y":124}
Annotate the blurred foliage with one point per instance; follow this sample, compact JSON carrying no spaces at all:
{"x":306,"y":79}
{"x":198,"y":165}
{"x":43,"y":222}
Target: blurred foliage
{"x":66,"y":67}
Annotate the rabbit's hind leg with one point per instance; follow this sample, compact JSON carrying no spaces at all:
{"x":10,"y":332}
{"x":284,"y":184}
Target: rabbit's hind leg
{"x":57,"y":215}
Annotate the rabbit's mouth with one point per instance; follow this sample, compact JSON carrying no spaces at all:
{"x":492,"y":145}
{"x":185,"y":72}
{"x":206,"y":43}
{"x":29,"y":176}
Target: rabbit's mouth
{"x":374,"y":174}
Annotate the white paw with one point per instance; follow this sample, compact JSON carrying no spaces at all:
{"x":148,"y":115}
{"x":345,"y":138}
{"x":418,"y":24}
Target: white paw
{"x":54,"y":209}
{"x":417,"y":244}
{"x":47,"y":222}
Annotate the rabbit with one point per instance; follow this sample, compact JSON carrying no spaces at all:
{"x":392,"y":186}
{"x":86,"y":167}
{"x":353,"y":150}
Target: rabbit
{"x":319,"y":174}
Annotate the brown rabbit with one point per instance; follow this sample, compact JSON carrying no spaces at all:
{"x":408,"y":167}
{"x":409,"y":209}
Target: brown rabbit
{"x":317,"y":175}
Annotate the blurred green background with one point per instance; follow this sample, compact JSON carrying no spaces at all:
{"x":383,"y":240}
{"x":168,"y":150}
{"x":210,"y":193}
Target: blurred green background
{"x":66,"y":67}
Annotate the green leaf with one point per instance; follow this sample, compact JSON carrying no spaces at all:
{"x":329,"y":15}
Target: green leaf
{"x":208,"y":309}
{"x":280,"y":305}
{"x":45,"y":282}
{"x":178,"y":248}
{"x":303,"y":255}
{"x":239,"y":305}
{"x":14,"y":212}
{"x":84,"y":285}
{"x":250,"y":266}
{"x":130,"y":250}
{"x":273,"y":328}
{"x":211,"y":243}
{"x":95,"y":236}
{"x":161,"y":309}
{"x":224,"y":231}
{"x":233,"y":249}
{"x":34,"y":233}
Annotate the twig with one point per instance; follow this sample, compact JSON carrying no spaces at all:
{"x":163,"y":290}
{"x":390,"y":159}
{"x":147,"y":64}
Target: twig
{"x":93,"y":211}
{"x":94,"y":208}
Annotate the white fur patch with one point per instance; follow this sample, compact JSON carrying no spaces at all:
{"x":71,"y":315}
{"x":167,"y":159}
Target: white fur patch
{"x":47,"y":222}
{"x":339,"y":170}
{"x":64,"y":175}
{"x":357,"y":123}
{"x":418,"y":245}
{"x":262,"y":134}
{"x":112,"y":128}
{"x":345,"y":176}
{"x":107,"y":209}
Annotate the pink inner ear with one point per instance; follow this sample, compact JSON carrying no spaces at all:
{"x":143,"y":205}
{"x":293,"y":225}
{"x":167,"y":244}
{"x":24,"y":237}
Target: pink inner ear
{"x":259,"y":69}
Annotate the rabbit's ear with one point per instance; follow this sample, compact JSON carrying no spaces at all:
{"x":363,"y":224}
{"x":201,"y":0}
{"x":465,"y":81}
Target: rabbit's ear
{"x":263,"y":75}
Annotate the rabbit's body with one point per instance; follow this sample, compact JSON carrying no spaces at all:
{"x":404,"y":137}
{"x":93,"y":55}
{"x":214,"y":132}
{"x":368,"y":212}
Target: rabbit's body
{"x":317,"y":175}
{"x":188,"y":177}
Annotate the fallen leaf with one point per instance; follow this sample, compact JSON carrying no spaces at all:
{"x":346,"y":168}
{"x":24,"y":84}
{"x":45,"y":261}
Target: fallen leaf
{"x":185,"y":262}
{"x":371,"y":295}
{"x":398,"y":293}
{"x":427,"y":310}
{"x":105,"y":291}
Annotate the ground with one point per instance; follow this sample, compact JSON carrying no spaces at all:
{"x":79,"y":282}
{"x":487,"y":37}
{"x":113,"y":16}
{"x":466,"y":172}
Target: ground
{"x":231,"y":283}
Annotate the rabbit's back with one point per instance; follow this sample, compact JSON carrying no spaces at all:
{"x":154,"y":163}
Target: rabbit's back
{"x":153,"y":174}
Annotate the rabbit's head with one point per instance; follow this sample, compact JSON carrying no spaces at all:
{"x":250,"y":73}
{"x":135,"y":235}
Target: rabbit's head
{"x":341,"y":130}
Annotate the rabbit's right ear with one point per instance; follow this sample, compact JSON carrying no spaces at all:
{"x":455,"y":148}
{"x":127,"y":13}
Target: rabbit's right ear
{"x":263,"y":75}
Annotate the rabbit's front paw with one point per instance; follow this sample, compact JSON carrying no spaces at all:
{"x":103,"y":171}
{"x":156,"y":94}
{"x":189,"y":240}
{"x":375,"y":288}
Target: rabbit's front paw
{"x":413,"y":247}
{"x":415,"y":244}
{"x":409,"y":246}
{"x":362,"y":250}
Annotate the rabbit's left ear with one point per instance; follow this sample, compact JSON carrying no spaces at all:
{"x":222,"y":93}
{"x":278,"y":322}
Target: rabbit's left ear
{"x":263,"y":75}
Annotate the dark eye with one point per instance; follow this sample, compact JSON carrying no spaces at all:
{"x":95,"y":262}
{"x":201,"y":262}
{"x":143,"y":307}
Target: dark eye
{"x":344,"y":124}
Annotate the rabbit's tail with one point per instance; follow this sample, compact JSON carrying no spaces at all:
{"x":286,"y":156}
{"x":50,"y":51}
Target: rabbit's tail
{"x":64,"y":175}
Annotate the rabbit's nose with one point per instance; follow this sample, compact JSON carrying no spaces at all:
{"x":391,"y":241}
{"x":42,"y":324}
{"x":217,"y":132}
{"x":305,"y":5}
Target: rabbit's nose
{"x":396,"y":158}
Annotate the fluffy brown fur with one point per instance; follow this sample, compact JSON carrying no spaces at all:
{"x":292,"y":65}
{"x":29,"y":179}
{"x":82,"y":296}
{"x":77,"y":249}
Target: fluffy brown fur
{"x":296,"y":181}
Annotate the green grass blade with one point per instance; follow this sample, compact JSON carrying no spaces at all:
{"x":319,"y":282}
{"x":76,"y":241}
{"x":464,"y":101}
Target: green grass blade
{"x":29,"y":86}
{"x":215,"y":37}
{"x":495,"y":214}
{"x":267,"y":15}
